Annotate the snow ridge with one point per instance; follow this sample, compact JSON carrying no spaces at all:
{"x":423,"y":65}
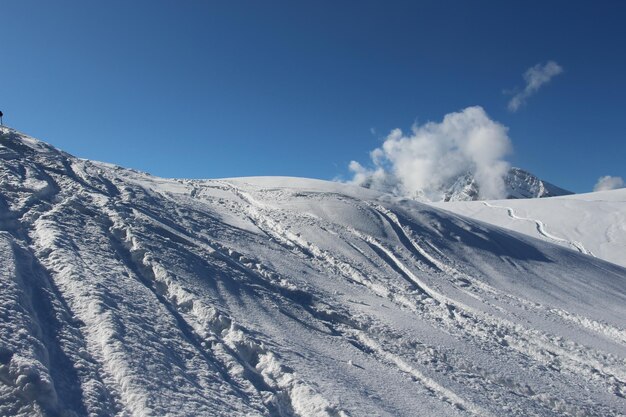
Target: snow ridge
{"x":130,"y":295}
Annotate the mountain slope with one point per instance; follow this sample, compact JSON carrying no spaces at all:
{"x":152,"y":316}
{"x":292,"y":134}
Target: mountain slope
{"x":523,"y":184}
{"x":592,"y":223}
{"x":127,"y":294}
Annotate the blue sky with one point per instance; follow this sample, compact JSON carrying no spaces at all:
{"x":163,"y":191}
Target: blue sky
{"x":203,"y":89}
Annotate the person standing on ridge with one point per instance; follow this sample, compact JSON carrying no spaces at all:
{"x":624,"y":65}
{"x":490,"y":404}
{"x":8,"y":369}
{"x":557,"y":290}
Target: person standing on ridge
{"x":1,"y":124}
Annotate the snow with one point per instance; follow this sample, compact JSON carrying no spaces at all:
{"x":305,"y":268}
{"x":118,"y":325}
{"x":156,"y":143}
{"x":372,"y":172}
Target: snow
{"x":517,"y":184}
{"x":593,"y":223}
{"x":125,"y":294}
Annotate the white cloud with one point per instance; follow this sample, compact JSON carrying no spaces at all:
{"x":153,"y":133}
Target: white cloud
{"x":535,"y":77}
{"x":426,"y":160}
{"x":608,"y":183}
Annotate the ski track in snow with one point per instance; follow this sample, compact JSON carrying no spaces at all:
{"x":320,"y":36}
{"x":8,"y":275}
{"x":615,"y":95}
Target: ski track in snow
{"x":275,"y":230}
{"x":129,"y":295}
{"x":541,"y":229}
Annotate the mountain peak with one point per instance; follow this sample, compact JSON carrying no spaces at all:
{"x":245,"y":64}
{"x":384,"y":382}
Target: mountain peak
{"x":518,"y":182}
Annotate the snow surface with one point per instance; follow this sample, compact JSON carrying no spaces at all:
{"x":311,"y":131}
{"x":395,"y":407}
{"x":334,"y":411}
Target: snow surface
{"x":592,"y":223}
{"x":129,"y":295}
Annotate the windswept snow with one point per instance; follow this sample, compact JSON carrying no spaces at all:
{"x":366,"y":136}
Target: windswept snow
{"x":592,"y":223}
{"x":129,"y":295}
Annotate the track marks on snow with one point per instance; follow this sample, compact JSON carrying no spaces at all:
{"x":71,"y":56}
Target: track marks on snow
{"x":458,"y":318}
{"x":245,"y":360}
{"x":541,"y":229}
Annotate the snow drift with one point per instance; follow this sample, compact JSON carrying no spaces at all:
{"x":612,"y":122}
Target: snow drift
{"x":125,"y":294}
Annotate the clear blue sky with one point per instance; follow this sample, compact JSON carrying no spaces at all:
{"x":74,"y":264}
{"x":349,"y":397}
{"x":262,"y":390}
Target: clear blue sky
{"x":204,"y":89}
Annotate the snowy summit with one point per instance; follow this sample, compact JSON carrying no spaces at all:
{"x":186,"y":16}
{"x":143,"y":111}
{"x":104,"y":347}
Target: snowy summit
{"x":125,"y":294}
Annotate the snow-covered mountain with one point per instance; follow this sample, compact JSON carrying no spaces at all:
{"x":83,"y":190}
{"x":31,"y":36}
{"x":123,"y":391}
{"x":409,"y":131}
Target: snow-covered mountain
{"x":125,"y":294}
{"x":523,"y":184}
{"x":518,"y":183}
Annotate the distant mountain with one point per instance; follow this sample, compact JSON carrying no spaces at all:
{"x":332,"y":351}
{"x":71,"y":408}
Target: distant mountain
{"x":519,"y":184}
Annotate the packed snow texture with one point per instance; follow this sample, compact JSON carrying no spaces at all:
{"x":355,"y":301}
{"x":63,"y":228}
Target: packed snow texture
{"x":124,"y":294}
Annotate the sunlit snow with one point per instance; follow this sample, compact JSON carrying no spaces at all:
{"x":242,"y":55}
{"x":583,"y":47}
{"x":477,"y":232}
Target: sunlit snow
{"x":124,"y":294}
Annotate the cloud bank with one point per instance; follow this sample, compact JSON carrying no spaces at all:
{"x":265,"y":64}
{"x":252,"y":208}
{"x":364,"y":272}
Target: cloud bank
{"x":426,"y":161}
{"x":608,"y":182}
{"x":535,"y":78}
